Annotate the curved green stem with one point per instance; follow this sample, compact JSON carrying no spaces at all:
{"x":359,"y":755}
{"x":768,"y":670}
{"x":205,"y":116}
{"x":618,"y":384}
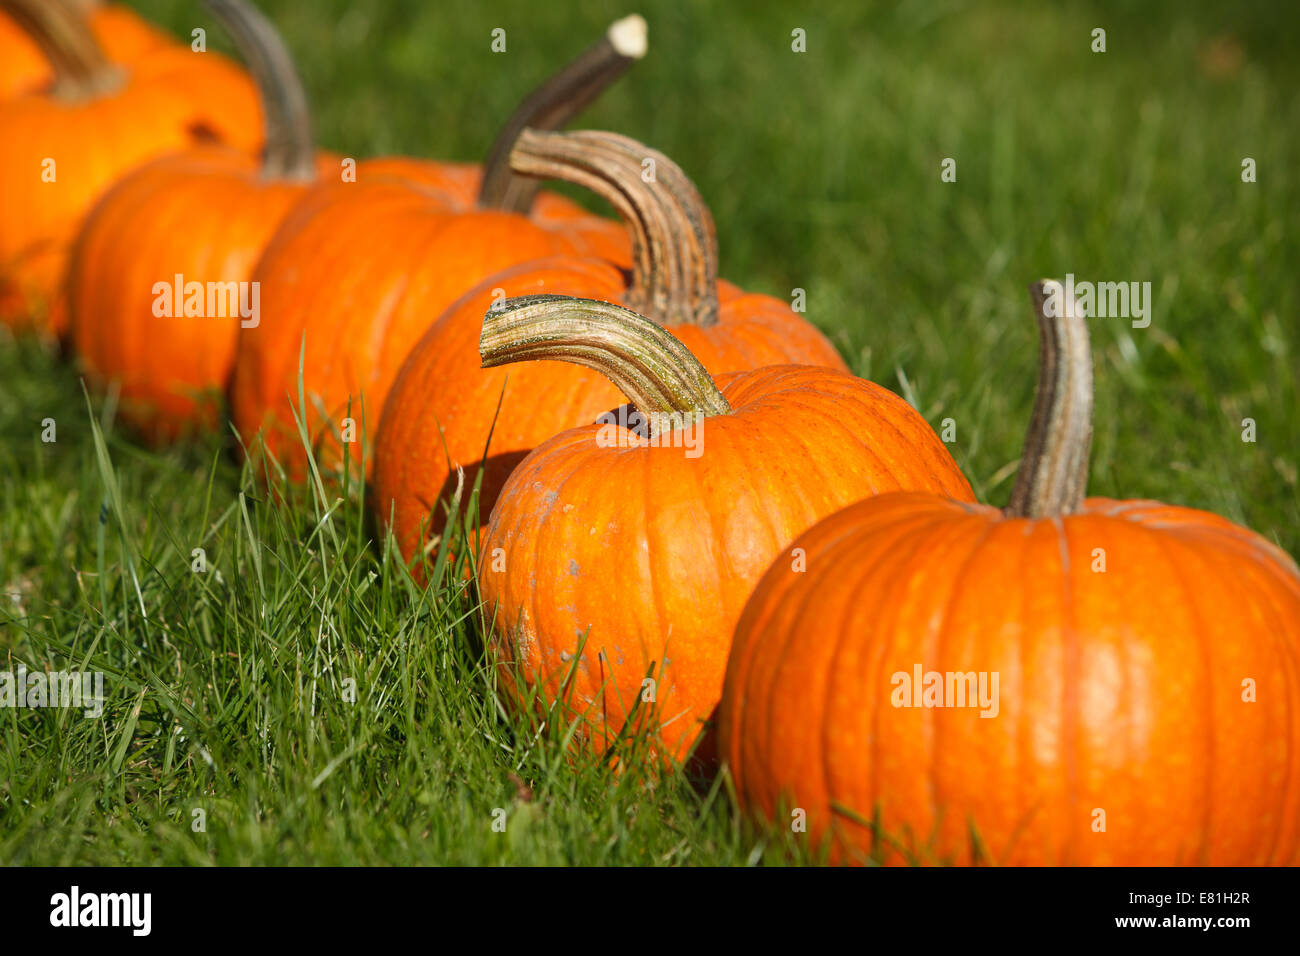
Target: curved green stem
{"x":63,"y":33}
{"x":656,"y":372}
{"x":290,"y":147}
{"x":1053,"y":475}
{"x":674,"y":243}
{"x":554,"y":104}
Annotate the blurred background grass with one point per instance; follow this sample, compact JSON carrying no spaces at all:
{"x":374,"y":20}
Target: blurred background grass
{"x":823,"y":171}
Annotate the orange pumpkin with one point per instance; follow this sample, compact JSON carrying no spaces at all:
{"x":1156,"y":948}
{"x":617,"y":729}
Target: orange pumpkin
{"x":443,"y":407}
{"x":203,"y":216}
{"x":1147,"y":664}
{"x":623,"y":551}
{"x":339,"y":291}
{"x":64,"y":148}
{"x":122,"y":34}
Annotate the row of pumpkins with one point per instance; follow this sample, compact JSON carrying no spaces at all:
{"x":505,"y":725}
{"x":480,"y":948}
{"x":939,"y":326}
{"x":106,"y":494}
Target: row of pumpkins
{"x":805,"y":595}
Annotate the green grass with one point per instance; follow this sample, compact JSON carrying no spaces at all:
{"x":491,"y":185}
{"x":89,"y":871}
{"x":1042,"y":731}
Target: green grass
{"x":227,"y":690}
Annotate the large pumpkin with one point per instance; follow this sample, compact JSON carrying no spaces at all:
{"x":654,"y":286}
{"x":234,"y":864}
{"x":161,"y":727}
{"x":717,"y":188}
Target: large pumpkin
{"x":1147,"y":664}
{"x":358,"y":271}
{"x":444,"y":408}
{"x":141,"y":315}
{"x":121,"y":33}
{"x":623,"y":552}
{"x":64,"y":148}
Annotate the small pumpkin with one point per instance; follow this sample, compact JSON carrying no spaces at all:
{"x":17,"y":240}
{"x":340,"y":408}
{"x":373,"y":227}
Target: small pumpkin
{"x":198,"y":220}
{"x":122,"y":34}
{"x":343,"y":294}
{"x":64,"y":148}
{"x":444,"y":408}
{"x":623,"y":551}
{"x":1122,"y":635}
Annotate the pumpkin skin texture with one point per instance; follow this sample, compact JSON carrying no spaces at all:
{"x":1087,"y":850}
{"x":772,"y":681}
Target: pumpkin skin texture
{"x":205,"y":215}
{"x":167,"y":102}
{"x":679,"y":540}
{"x":1122,"y":634}
{"x":1118,"y":690}
{"x":333,"y":274}
{"x":122,"y":34}
{"x":444,"y":407}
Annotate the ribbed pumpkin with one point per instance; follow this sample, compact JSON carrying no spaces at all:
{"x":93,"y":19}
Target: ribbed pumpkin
{"x":625,"y":550}
{"x":360,"y":270}
{"x":64,"y":148}
{"x":204,"y":216}
{"x":122,"y":34}
{"x":443,"y":406}
{"x":1147,"y":660}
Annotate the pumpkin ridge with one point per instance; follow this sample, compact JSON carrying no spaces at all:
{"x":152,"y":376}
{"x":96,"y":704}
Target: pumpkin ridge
{"x":889,"y":565}
{"x":1267,"y":565}
{"x":1070,"y":707}
{"x":825,"y":806}
{"x":750,"y":468}
{"x":874,"y":425}
{"x":1024,"y":745}
{"x":653,"y":573}
{"x":941,"y":623}
{"x":135,"y":346}
{"x":1264,"y":577}
{"x":783,"y":434}
{"x":1166,"y":544}
{"x":533,"y":535}
{"x":127,"y":338}
{"x":98,"y":343}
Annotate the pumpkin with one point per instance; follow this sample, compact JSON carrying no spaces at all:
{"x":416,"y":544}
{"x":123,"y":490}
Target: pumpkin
{"x":64,"y":148}
{"x":121,"y":33}
{"x":132,"y":320}
{"x":1146,"y":660}
{"x":358,"y":271}
{"x":623,"y":551}
{"x":443,"y":407}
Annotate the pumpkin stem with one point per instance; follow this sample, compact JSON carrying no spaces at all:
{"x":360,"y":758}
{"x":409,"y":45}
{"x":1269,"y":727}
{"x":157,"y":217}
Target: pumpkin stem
{"x":290,"y":148}
{"x":649,"y":365}
{"x":61,"y":30}
{"x":554,"y":104}
{"x":674,"y":245}
{"x":1053,"y":476}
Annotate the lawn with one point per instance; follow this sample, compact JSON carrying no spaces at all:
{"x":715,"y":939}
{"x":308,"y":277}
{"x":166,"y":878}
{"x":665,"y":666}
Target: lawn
{"x":302,"y":702}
